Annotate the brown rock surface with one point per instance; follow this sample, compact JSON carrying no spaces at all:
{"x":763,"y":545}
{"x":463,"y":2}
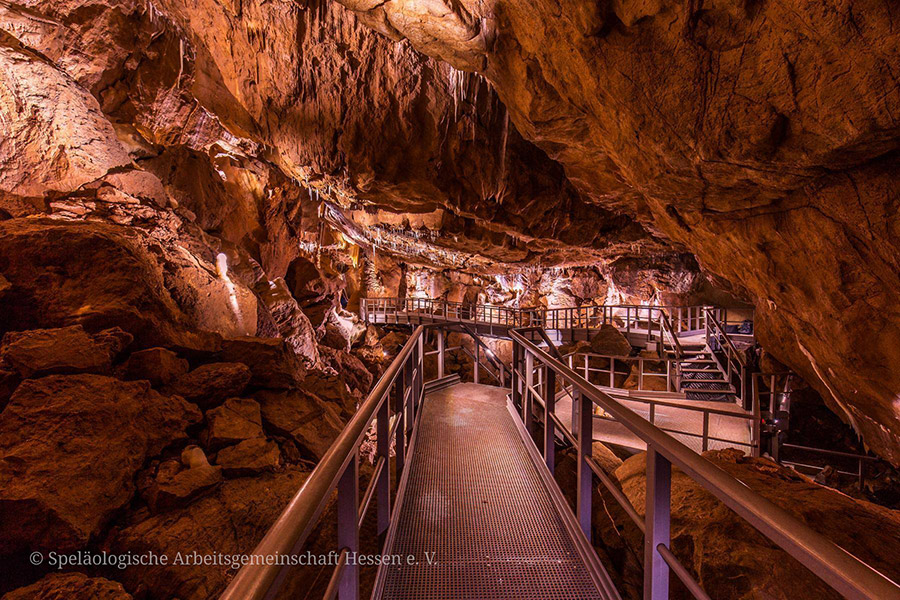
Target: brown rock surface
{"x":296,"y":414}
{"x":609,"y":341}
{"x":732,"y":560}
{"x":106,"y":428}
{"x":249,"y":457}
{"x":272,"y":363}
{"x":229,"y":522}
{"x":65,"y":350}
{"x":70,"y":586}
{"x":210,"y":385}
{"x":159,"y":366}
{"x":237,"y":420}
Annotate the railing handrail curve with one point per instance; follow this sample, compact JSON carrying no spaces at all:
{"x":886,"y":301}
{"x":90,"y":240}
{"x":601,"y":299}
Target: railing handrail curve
{"x":838,"y":568}
{"x":718,"y":326}
{"x":296,"y":521}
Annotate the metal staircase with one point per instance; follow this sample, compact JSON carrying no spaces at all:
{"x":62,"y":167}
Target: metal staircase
{"x":701,"y":377}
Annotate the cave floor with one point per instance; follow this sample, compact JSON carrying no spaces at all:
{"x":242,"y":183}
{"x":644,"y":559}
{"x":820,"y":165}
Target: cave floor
{"x":476,"y":513}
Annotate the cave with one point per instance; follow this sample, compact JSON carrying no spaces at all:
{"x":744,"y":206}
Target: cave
{"x":433,"y":299}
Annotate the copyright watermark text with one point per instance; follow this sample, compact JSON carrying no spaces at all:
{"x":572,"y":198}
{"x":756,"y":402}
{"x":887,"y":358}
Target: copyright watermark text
{"x":123,"y":560}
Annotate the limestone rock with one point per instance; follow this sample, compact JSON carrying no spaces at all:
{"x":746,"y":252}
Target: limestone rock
{"x":293,"y":325}
{"x":65,"y":350}
{"x":272,"y":362}
{"x":159,"y":366}
{"x":89,"y":274}
{"x":609,"y":341}
{"x":230,"y":521}
{"x":175,"y":486}
{"x":296,"y":414}
{"x":235,"y":421}
{"x":70,"y":586}
{"x":351,"y":369}
{"x":249,"y":457}
{"x":732,"y":560}
{"x":209,"y":385}
{"x":69,"y":448}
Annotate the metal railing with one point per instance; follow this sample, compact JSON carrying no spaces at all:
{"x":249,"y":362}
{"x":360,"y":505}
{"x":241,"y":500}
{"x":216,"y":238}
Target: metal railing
{"x":607,"y":377}
{"x":401,"y":384}
{"x":842,"y":571}
{"x":392,"y":407}
{"x":652,"y":319}
{"x":735,"y":365}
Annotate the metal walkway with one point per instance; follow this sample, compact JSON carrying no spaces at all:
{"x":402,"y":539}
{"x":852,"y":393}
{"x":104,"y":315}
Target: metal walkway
{"x":477,"y":514}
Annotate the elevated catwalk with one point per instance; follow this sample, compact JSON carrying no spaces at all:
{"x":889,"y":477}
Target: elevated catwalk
{"x":476,"y":505}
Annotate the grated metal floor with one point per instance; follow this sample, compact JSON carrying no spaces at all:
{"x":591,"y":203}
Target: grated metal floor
{"x":475,"y":500}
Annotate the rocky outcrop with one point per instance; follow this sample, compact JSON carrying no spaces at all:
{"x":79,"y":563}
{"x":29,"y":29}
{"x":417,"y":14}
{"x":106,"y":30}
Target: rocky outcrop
{"x":159,"y":366}
{"x":58,"y":500}
{"x":70,"y":586}
{"x":272,"y":363}
{"x":235,"y":421}
{"x":211,"y":384}
{"x":300,"y":417}
{"x":732,"y":560}
{"x":229,"y":522}
{"x":180,"y":482}
{"x":249,"y":457}
{"x":66,"y":350}
{"x":609,"y":341}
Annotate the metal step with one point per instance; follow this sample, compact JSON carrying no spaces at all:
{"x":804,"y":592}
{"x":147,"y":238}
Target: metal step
{"x":721,"y":391}
{"x":439,"y":384}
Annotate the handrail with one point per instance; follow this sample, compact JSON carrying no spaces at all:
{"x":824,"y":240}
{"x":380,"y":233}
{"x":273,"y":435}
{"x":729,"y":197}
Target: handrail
{"x":718,"y":326}
{"x":296,"y":522}
{"x":838,"y":568}
{"x":667,"y":325}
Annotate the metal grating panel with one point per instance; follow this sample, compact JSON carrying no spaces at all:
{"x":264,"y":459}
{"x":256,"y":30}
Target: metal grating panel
{"x":475,"y":499}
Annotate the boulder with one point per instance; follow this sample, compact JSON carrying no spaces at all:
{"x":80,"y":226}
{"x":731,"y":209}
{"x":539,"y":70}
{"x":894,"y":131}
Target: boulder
{"x":609,"y":341}
{"x":159,"y":366}
{"x":249,"y":457}
{"x":730,"y":559}
{"x":70,"y":586}
{"x":335,"y":390}
{"x":63,"y":350}
{"x":316,"y":294}
{"x":178,"y":483}
{"x":292,"y":324}
{"x":272,"y":362}
{"x":70,"y":446}
{"x":237,"y":420}
{"x":92,"y":274}
{"x":209,"y":385}
{"x":296,"y":414}
{"x":349,"y":368}
{"x":228,"y":522}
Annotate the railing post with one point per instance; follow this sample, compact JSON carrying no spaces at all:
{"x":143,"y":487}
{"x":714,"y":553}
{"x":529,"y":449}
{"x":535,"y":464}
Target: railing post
{"x":585,"y":474}
{"x":659,"y":484}
{"x":477,"y":361}
{"x":383,"y":448}
{"x":440,"y":355}
{"x":348,"y":527}
{"x":528,"y":398}
{"x":399,"y":410}
{"x":549,"y":423}
{"x":705,"y":430}
{"x":514,"y":376}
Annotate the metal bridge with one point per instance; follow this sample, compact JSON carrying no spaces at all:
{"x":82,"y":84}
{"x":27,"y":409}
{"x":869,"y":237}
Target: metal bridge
{"x":477,"y":503}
